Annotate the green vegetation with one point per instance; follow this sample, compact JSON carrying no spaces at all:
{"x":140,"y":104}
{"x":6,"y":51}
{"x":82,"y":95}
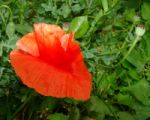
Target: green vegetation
{"x":117,"y":57}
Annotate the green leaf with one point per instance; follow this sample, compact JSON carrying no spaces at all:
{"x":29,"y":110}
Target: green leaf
{"x":141,"y":91}
{"x":105,"y":5}
{"x":76,"y":8}
{"x":49,"y":103}
{"x":79,"y":25}
{"x":65,"y":10}
{"x":23,"y":29}
{"x":71,"y":101}
{"x":125,"y":116}
{"x":146,"y":43}
{"x":107,"y":82}
{"x":12,"y":41}
{"x":129,"y":15}
{"x":97,"y":105}
{"x":142,"y":112}
{"x":137,"y":58}
{"x":10,"y":29}
{"x":125,"y":99}
{"x":133,"y":74}
{"x":75,"y":114}
{"x":145,"y":11}
{"x":57,"y":116}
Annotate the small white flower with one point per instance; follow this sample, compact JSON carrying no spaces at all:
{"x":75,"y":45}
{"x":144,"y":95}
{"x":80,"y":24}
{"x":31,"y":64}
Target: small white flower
{"x":139,"y":31}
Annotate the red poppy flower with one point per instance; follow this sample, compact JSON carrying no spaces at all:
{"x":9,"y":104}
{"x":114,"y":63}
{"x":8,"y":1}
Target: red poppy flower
{"x":51,"y":62}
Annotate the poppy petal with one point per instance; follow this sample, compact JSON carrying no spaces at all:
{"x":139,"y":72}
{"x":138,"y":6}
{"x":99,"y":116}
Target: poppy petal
{"x":55,"y":46}
{"x":47,"y":37}
{"x":66,"y":39}
{"x":28,"y":44}
{"x":51,"y":81}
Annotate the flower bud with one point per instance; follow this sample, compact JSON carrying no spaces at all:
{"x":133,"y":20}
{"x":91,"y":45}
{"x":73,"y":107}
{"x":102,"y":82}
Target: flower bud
{"x":139,"y":31}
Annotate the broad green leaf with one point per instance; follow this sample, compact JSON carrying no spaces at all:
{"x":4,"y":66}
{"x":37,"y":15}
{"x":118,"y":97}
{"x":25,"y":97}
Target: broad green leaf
{"x":134,"y":74}
{"x":23,"y":29}
{"x":12,"y":41}
{"x":99,"y":107}
{"x":145,"y":11}
{"x":57,"y":116}
{"x":141,"y":90}
{"x":142,"y":112}
{"x":10,"y":29}
{"x":79,"y":25}
{"x":125,"y":99}
{"x":125,"y":116}
{"x":137,"y":58}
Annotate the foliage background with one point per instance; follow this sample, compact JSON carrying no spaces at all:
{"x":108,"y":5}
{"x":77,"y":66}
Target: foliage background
{"x":105,"y":30}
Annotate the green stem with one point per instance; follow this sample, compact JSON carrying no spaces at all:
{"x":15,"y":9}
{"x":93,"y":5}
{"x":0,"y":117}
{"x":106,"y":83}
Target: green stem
{"x":97,"y":18}
{"x":10,"y":12}
{"x":126,"y":39}
{"x":2,"y":16}
{"x":128,"y":53}
{"x":58,"y":18}
{"x":3,"y":20}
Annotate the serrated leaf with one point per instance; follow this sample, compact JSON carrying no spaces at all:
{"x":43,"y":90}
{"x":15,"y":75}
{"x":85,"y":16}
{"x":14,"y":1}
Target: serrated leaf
{"x":79,"y":25}
{"x":76,"y":8}
{"x":65,"y":10}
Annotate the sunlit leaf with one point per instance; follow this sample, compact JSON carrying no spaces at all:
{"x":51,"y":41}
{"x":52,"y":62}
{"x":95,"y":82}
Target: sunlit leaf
{"x":79,"y":25}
